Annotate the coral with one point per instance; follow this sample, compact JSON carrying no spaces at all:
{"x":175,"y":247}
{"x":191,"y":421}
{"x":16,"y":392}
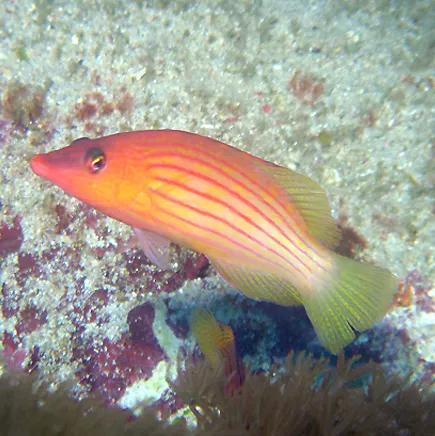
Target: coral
{"x":87,"y":108}
{"x":110,"y":367}
{"x":125,"y":103}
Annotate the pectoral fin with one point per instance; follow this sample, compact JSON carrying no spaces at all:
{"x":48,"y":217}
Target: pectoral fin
{"x":155,"y":247}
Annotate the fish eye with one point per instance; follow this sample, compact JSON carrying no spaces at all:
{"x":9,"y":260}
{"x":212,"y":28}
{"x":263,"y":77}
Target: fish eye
{"x":95,"y":160}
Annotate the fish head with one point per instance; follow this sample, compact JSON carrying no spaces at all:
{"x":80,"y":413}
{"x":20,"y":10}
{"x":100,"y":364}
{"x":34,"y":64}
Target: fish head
{"x":101,"y":172}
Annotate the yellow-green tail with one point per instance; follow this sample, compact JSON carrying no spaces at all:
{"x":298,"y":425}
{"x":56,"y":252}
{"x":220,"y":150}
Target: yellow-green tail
{"x":358,"y":297}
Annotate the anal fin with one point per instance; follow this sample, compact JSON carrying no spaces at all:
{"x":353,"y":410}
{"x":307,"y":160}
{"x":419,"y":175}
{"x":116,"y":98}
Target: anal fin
{"x":258,"y":286}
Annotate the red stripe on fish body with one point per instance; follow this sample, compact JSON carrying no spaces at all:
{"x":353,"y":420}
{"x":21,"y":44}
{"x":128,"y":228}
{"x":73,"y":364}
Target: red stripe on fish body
{"x":216,"y":200}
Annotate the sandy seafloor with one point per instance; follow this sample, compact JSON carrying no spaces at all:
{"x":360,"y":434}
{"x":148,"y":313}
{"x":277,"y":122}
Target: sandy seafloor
{"x":341,"y":91}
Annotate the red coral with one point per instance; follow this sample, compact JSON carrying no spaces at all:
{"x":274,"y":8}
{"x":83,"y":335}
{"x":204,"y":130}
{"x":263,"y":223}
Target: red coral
{"x":95,"y":302}
{"x":166,"y":281}
{"x":107,"y":108}
{"x":85,"y":110}
{"x":15,"y":355}
{"x":88,"y":107}
{"x":136,"y":263}
{"x":91,"y":216}
{"x":27,"y":266}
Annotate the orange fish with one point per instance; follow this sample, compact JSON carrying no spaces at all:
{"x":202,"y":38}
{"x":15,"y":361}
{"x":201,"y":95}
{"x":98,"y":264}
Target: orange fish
{"x":266,"y":229}
{"x":218,"y":345}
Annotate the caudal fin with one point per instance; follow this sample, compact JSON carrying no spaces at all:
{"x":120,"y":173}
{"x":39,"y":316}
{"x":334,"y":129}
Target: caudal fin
{"x":357,"y":298}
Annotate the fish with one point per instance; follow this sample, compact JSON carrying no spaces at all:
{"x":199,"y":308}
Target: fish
{"x":216,"y":341}
{"x":266,"y":229}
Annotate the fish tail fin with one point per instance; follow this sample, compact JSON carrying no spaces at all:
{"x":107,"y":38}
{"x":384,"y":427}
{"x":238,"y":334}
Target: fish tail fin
{"x":358,"y":296}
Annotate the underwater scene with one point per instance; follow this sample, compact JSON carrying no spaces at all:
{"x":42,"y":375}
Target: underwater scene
{"x":217,"y":217}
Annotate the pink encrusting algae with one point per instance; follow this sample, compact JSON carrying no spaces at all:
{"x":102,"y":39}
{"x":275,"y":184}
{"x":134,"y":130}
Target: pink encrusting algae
{"x":109,"y":368}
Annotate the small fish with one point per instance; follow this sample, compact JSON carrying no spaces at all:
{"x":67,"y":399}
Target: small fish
{"x":218,"y":345}
{"x":266,"y":229}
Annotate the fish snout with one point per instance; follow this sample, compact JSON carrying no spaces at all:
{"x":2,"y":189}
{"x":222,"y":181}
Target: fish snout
{"x":39,"y":165}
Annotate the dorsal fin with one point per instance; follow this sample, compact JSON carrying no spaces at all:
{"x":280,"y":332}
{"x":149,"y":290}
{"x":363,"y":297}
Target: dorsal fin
{"x":311,"y":201}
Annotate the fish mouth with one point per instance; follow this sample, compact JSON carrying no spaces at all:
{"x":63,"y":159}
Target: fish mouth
{"x":40,"y":165}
